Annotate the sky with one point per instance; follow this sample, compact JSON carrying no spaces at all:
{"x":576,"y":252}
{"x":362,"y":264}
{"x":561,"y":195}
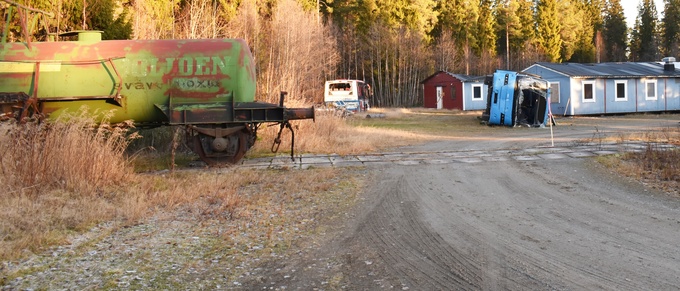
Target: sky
{"x":630,"y":10}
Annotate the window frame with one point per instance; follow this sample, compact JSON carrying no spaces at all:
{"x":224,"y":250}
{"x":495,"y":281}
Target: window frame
{"x":552,"y":92}
{"x":647,"y":83}
{"x":481,"y":92}
{"x":583,"y":91}
{"x":616,"y":90}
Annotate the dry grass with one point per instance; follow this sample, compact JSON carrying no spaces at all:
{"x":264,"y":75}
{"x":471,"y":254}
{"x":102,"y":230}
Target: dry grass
{"x":666,"y":135}
{"x":655,"y":166}
{"x":331,"y":133}
{"x":58,"y":178}
{"x":62,"y":178}
{"x":74,"y":154}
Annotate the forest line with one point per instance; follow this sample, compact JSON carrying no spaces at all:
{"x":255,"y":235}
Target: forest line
{"x":392,"y":44}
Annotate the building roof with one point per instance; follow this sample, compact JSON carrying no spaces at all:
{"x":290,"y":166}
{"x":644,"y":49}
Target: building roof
{"x":463,"y":78}
{"x":612,"y":70}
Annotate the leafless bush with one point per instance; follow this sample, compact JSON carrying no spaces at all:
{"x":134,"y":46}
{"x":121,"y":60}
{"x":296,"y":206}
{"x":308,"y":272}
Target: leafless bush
{"x":295,"y":55}
{"x":154,"y":19}
{"x":246,"y":25}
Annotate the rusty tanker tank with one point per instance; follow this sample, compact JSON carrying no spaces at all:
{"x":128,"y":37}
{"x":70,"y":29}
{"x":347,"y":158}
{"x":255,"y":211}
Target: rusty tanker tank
{"x":207,"y":86}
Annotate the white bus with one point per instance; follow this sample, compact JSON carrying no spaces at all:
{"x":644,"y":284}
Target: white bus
{"x":354,"y":93}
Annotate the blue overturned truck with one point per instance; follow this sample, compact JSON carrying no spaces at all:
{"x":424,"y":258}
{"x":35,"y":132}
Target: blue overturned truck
{"x":516,"y":99}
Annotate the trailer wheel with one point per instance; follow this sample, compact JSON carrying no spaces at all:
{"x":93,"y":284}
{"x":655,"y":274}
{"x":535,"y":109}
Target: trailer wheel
{"x":216,"y":151}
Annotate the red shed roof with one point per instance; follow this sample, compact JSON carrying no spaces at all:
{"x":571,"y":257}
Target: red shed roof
{"x":463,"y":78}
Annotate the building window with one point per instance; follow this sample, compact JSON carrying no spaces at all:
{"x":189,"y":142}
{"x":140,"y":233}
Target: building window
{"x":650,"y":90}
{"x":477,"y":92}
{"x":555,"y":92}
{"x":621,"y":90}
{"x":588,"y":91}
{"x":453,"y":92}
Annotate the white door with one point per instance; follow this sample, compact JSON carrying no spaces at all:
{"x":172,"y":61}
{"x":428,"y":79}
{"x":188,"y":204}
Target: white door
{"x":440,"y":97}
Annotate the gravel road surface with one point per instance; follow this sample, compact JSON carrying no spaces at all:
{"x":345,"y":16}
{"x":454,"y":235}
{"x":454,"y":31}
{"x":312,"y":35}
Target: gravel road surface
{"x":502,"y":225}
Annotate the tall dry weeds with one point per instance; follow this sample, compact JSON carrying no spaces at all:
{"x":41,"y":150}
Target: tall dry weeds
{"x":59,"y":177}
{"x":73,"y":153}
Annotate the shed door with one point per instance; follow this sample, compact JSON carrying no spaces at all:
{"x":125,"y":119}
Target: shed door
{"x":440,"y":97}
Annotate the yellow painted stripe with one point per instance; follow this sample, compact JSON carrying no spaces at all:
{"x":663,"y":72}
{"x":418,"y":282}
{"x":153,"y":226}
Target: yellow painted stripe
{"x":19,"y":67}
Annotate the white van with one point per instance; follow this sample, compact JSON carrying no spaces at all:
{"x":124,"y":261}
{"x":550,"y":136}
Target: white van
{"x":354,"y":93}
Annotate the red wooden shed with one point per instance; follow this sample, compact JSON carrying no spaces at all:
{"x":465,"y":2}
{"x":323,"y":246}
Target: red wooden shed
{"x":443,"y":90}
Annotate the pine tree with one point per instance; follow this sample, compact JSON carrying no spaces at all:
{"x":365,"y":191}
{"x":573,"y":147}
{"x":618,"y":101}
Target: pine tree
{"x":448,"y":17}
{"x":644,"y":45}
{"x":517,"y":39}
{"x":615,"y":32}
{"x":460,"y":17}
{"x":486,"y":41}
{"x":670,"y":35}
{"x":549,"y":29}
{"x":465,"y":33}
{"x":487,"y":29}
{"x":508,"y":28}
{"x":595,"y":10}
{"x":420,"y":16}
{"x":583,"y":45}
{"x":528,"y":44}
{"x":570,"y":16}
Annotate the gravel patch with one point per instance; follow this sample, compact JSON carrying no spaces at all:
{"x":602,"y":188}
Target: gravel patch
{"x":185,"y":250}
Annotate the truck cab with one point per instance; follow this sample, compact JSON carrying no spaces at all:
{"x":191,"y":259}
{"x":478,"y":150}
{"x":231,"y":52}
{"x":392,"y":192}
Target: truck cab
{"x":516,"y":99}
{"x":356,"y":94}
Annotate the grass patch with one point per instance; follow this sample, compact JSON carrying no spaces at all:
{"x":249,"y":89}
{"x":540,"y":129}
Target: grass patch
{"x":656,"y":166}
{"x":328,"y":134}
{"x":59,"y":178}
{"x":239,"y":214}
{"x":423,"y":121}
{"x":331,"y":134}
{"x":156,"y":161}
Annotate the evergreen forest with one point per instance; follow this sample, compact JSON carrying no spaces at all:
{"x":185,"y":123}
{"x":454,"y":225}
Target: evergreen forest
{"x":392,"y":44}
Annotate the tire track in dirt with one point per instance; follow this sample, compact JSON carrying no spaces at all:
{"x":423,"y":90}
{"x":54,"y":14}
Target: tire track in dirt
{"x":414,"y":252}
{"x":557,"y":238}
{"x":614,"y":218}
{"x":487,"y":245}
{"x":501,"y":226}
{"x":506,"y":224}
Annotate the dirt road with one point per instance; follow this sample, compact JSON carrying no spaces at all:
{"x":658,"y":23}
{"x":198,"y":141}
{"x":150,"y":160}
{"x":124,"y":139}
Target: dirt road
{"x":498,"y":223}
{"x":517,"y":225}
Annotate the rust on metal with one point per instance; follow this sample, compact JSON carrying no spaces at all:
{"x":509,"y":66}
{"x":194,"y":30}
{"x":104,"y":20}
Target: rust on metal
{"x":299,"y":113}
{"x":208,"y":86}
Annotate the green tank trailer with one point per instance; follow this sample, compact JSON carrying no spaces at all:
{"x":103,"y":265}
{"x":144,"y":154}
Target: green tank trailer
{"x":207,"y":86}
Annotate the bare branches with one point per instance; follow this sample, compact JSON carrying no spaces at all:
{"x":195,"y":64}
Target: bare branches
{"x":50,"y":14}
